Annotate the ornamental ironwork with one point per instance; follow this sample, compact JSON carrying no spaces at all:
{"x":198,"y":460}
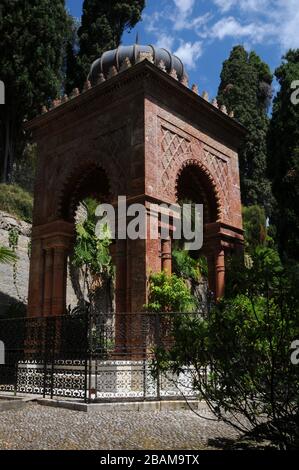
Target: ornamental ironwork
{"x":90,"y":357}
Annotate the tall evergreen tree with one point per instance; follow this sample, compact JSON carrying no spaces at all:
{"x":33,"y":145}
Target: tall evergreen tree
{"x":103,"y":24}
{"x":283,"y":159}
{"x":32,"y":36}
{"x":70,"y":65}
{"x":246,"y":88}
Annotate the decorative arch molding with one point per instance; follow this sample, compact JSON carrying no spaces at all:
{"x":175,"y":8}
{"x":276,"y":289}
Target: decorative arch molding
{"x":209,"y":181}
{"x":108,"y":152}
{"x":74,"y":180}
{"x":178,"y":150}
{"x":219,"y":171}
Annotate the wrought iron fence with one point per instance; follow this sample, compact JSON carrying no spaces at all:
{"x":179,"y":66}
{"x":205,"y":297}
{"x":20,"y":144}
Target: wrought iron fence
{"x":100,"y":358}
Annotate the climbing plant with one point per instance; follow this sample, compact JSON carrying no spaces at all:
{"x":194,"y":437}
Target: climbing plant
{"x":92,"y":257}
{"x":13,"y":241}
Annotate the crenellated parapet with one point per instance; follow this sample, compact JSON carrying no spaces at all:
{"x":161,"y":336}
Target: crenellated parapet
{"x":111,"y":66}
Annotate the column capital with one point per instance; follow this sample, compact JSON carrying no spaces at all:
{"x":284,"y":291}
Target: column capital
{"x":59,"y":228}
{"x":58,"y":242}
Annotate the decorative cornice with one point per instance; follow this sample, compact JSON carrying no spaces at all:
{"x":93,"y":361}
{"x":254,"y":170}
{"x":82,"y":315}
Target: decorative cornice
{"x":142,"y":71}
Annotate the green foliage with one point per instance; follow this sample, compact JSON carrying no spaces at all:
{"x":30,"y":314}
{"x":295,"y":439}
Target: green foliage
{"x":246,"y":89}
{"x":24,"y":168}
{"x":245,"y":341}
{"x":32,"y":39}
{"x":255,"y":226}
{"x":71,"y":51}
{"x":90,"y":251}
{"x":16,"y":201}
{"x":7,"y":256}
{"x":283,"y":160}
{"x":103,"y":24}
{"x":258,"y":274}
{"x":169,"y":294}
{"x":187,"y":267}
{"x":13,"y":239}
{"x":92,"y":257}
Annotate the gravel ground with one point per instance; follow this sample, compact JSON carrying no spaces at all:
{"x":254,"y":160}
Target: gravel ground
{"x":42,"y":428}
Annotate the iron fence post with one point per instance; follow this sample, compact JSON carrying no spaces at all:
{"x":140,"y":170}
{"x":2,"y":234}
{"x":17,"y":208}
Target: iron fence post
{"x":158,"y":344}
{"x":53,"y":330}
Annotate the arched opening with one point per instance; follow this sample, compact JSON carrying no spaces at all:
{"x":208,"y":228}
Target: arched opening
{"x":89,"y":265}
{"x":91,"y":262}
{"x":196,"y":186}
{"x":86,"y":181}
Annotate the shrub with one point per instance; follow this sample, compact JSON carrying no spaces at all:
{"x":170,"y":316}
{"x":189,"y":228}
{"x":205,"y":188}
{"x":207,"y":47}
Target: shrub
{"x":245,"y":341}
{"x":169,"y":294}
{"x":187,"y":267}
{"x":16,"y":201}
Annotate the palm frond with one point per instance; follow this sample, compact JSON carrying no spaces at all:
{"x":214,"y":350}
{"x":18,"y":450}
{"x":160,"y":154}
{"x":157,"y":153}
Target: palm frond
{"x":7,"y":256}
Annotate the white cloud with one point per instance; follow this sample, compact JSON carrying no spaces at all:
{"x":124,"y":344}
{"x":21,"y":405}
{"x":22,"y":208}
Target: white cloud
{"x":177,"y":25}
{"x":189,"y":53}
{"x":245,"y":5}
{"x":286,"y":17}
{"x":184,"y":6}
{"x":230,"y":27}
{"x":152,"y":21}
{"x":289,"y":33}
{"x":259,"y":21}
{"x":196,"y":24}
{"x":225,"y":5}
{"x":183,"y":18}
{"x":166,"y":41}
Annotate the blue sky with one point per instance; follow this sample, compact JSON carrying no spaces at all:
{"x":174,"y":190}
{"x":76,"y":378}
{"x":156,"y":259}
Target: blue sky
{"x":203,"y":32}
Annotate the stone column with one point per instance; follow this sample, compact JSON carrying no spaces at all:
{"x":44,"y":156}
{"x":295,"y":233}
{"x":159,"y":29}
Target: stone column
{"x":211,"y":272}
{"x":220,"y":273}
{"x":48,"y":282}
{"x":166,"y":255}
{"x":35,"y":294}
{"x":121,"y":275}
{"x":59,"y":281}
{"x":120,"y":296}
{"x":48,"y":274}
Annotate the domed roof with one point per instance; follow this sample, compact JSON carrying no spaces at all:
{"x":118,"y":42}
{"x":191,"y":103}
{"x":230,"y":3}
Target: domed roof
{"x":116,"y":57}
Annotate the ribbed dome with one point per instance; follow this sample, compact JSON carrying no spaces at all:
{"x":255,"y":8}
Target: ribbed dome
{"x":116,"y":57}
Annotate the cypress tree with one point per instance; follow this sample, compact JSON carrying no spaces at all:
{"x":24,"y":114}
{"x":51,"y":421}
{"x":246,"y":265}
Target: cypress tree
{"x":71,"y":51}
{"x":32,"y":37}
{"x":102,"y":26}
{"x":246,"y":89}
{"x":283,"y":155}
